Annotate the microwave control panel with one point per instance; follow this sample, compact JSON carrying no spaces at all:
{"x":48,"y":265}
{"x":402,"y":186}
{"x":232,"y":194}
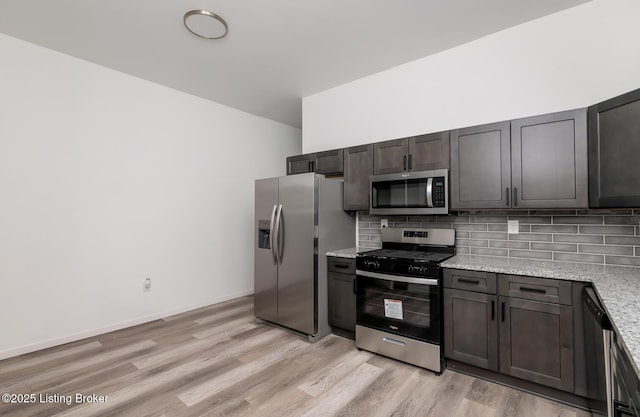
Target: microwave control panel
{"x":439,"y":192}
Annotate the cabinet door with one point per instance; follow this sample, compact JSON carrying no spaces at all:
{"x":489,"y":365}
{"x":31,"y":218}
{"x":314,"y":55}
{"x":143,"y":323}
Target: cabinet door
{"x":330,"y":162}
{"x":536,"y":342}
{"x":391,"y":156}
{"x":301,"y":164}
{"x":470,"y":328}
{"x":342,"y":301}
{"x":549,"y":160}
{"x":428,"y":152}
{"x":481,"y":167}
{"x":358,"y":166}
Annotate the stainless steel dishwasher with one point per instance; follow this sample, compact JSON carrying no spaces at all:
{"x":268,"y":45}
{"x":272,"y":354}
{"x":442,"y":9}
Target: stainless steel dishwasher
{"x":597,"y":339}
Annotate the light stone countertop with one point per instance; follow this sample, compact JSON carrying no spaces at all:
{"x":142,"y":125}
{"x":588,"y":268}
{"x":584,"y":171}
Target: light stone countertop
{"x":349,"y":252}
{"x":617,"y":286}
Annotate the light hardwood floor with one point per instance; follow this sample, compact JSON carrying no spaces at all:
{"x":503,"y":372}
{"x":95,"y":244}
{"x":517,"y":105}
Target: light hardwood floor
{"x":216,"y":361}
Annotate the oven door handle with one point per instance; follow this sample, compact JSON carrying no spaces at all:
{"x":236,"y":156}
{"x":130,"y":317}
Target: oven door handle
{"x":397,"y":278}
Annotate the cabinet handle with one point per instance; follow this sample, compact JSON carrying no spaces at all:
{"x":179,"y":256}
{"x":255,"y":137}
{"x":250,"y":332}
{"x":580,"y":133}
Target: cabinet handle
{"x":469,"y":281}
{"x":493,"y":310}
{"x":515,"y":196}
{"x":533,"y":290}
{"x":410,"y":158}
{"x":354,"y":286}
{"x":341,"y":266}
{"x":502,"y":311}
{"x":404,"y":163}
{"x":506,"y":191}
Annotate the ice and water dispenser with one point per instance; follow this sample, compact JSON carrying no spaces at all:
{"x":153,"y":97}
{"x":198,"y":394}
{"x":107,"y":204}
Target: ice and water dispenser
{"x":264,"y":234}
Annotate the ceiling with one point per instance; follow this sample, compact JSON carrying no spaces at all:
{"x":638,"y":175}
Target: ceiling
{"x":276,"y":51}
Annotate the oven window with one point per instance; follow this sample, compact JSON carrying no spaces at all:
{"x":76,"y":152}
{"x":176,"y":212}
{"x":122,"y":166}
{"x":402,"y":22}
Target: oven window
{"x":411,"y":310}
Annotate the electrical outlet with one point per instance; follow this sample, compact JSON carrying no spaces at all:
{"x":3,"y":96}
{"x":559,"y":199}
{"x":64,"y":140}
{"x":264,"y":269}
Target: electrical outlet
{"x":513,"y":227}
{"x":384,"y":222}
{"x":146,"y":286}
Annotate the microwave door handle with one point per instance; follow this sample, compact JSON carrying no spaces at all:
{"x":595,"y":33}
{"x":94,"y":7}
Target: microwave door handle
{"x":429,"y":192}
{"x":279,"y":243}
{"x":272,"y":234}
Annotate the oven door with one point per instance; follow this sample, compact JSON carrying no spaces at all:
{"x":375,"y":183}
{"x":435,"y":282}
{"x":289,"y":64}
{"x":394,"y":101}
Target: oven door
{"x":406,"y":306}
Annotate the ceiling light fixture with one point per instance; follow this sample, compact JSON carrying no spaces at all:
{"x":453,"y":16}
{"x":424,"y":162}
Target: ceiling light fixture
{"x":205,"y":24}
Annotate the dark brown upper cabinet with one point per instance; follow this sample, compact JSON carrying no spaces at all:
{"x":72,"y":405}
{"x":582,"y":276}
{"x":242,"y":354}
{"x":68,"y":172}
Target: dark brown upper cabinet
{"x":327,"y":163}
{"x":614,"y":152}
{"x":358,"y":167}
{"x":417,"y":153}
{"x":301,"y":164}
{"x":535,"y":162}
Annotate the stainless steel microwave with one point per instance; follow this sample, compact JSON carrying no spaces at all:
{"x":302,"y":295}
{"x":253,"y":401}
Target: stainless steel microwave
{"x":410,"y":193}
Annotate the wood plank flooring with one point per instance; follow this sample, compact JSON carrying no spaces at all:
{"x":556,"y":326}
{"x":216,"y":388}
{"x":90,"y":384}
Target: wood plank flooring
{"x":216,"y":361}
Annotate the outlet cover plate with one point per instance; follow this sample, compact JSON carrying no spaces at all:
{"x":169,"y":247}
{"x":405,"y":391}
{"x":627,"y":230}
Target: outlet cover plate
{"x":513,"y":227}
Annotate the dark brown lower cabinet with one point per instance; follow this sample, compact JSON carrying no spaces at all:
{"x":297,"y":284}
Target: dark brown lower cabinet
{"x":536,"y":342}
{"x":528,"y":339}
{"x":342,"y":294}
{"x":471,"y":333}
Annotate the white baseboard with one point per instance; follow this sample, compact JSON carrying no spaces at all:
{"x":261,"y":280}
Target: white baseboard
{"x":9,"y":353}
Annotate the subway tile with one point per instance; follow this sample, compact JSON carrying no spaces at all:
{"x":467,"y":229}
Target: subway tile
{"x":375,"y":238}
{"x":367,"y":225}
{"x":436,"y":225}
{"x":637,"y":251}
{"x":422,"y":219}
{"x":369,"y":231}
{"x":461,"y":234}
{"x":490,"y":252}
{"x":554,"y":212}
{"x":602,"y":212}
{"x":488,"y":219}
{"x":489,"y":235}
{"x":508,"y":244}
{"x":452,"y":219}
{"x":574,"y":257}
{"x":462,"y":249}
{"x":622,"y":240}
{"x":474,"y":227}
{"x":363,"y":237}
{"x":472,"y":242}
{"x":622,"y":260}
{"x":632,"y":220}
{"x":405,"y":224}
{"x":497,"y":227}
{"x":577,"y":220}
{"x":554,"y":228}
{"x":607,"y":230}
{"x":554,"y":247}
{"x":578,"y":238}
{"x":514,"y":253}
{"x":535,"y":237}
{"x":532,"y":219}
{"x":606,"y":249}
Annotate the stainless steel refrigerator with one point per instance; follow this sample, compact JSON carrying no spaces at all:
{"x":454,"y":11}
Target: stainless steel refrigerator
{"x":298,"y":219}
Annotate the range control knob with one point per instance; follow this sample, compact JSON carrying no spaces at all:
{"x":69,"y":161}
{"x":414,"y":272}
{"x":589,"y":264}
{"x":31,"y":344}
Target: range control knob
{"x":372,"y":264}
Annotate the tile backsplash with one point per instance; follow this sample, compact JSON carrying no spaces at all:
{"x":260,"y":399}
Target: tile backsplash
{"x":594,"y":236}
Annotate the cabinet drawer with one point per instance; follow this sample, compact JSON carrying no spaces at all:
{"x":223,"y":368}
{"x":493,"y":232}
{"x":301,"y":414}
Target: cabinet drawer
{"x":342,"y":265}
{"x":476,"y":281}
{"x":536,"y":289}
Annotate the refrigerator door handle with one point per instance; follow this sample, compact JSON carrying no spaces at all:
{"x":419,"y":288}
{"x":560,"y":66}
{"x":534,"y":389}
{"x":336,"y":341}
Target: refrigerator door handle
{"x":271,"y":235}
{"x":279,"y":244}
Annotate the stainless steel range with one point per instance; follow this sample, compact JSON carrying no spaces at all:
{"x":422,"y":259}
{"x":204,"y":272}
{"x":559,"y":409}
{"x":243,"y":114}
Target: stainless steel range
{"x":399,"y":295}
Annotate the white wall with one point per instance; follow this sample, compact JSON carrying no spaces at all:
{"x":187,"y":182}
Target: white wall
{"x":106,"y":179}
{"x":563,"y":61}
